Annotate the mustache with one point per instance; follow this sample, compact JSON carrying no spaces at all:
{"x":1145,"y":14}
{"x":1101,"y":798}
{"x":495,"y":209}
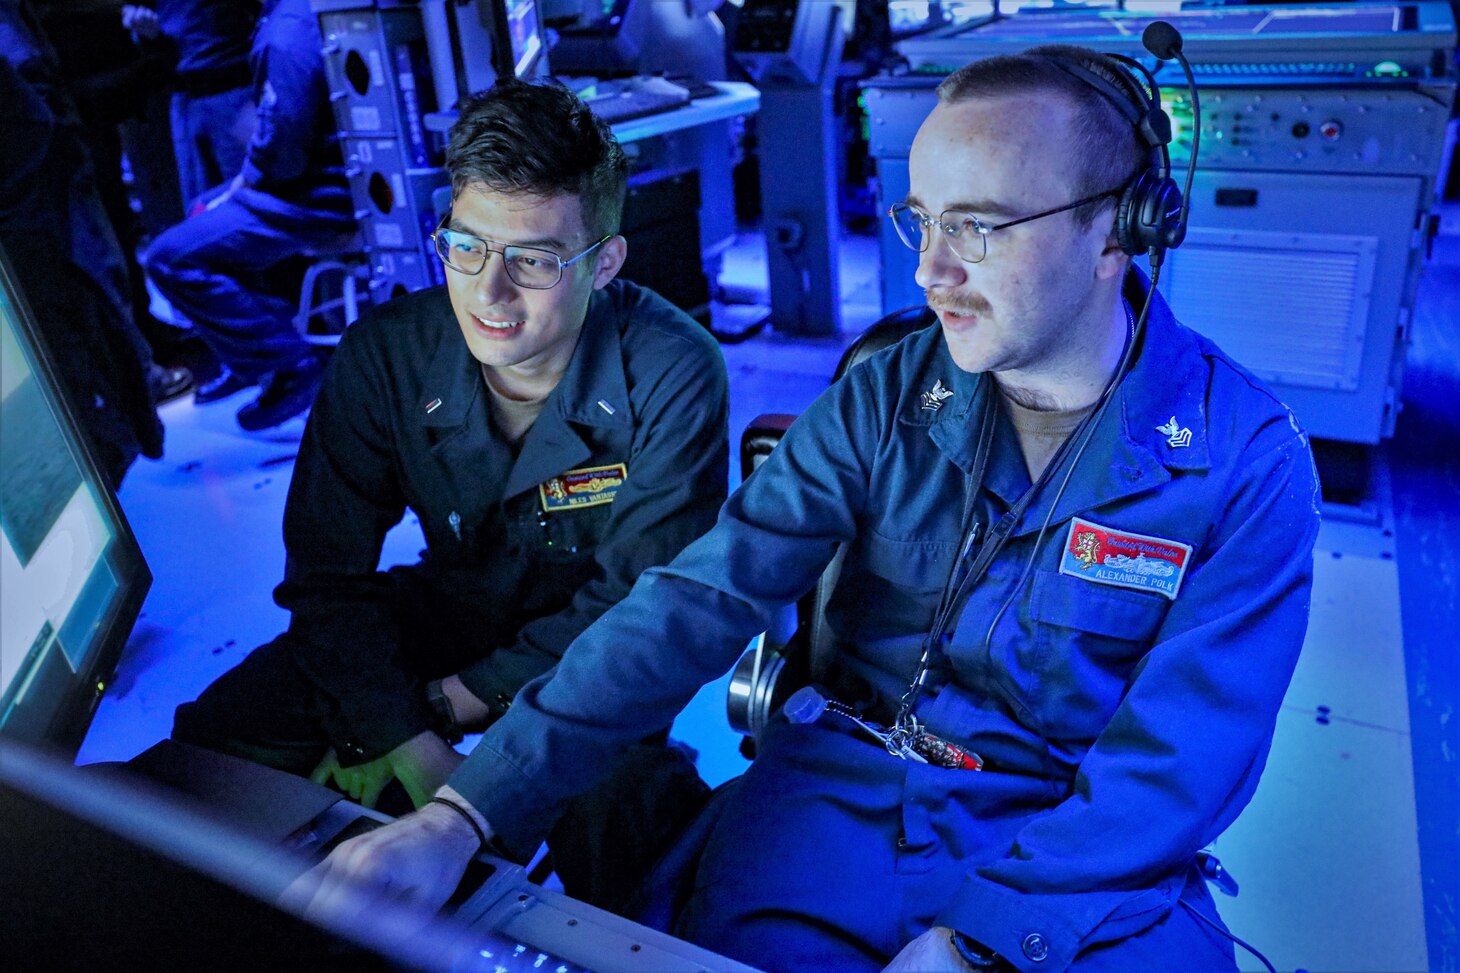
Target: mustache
{"x":963,"y":304}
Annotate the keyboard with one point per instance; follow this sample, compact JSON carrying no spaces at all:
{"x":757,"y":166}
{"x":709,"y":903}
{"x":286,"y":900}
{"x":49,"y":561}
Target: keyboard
{"x":620,"y":101}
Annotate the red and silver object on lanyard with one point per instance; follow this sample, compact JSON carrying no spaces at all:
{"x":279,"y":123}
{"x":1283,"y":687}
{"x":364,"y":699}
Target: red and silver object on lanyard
{"x":806,"y":705}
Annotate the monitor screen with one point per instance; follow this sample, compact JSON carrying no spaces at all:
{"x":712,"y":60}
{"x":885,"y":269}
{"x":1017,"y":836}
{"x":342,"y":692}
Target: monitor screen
{"x":71,"y":576}
{"x":525,"y":37}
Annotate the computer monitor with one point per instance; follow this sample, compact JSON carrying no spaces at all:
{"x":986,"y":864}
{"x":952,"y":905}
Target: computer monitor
{"x":602,"y":16}
{"x":613,"y":38}
{"x":71,"y":576}
{"x":522,"y":27}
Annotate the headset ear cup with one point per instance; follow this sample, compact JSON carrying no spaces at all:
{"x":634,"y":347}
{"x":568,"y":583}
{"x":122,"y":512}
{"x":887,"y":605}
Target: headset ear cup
{"x":1148,"y":215}
{"x":1173,"y":228}
{"x":1127,"y":217}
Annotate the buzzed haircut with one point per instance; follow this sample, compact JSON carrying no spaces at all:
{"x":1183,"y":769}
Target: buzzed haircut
{"x":1106,"y":152}
{"x":539,"y":139}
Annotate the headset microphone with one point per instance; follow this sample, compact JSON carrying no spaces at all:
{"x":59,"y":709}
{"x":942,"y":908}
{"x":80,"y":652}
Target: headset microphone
{"x":1164,"y":42}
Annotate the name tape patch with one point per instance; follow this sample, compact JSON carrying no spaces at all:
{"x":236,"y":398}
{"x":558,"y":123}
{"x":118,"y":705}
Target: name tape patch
{"x":587,"y":487}
{"x":1124,"y":560}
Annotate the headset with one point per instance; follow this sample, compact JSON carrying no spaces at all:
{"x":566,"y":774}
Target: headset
{"x":1151,"y":214}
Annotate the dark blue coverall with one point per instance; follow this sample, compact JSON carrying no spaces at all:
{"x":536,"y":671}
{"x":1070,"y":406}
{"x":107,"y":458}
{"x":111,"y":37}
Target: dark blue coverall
{"x":1123,"y":729}
{"x":219,"y":268}
{"x":509,"y":576}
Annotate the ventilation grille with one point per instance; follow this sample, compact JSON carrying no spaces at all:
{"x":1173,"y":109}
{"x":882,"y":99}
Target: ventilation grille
{"x":1292,"y":308}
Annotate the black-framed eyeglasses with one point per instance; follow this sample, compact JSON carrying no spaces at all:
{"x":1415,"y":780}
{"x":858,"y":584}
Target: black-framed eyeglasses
{"x":530,"y":267}
{"x":966,"y":235}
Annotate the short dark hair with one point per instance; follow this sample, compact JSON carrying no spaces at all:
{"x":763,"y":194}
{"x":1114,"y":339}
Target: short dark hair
{"x":1106,"y":150}
{"x":538,"y":138}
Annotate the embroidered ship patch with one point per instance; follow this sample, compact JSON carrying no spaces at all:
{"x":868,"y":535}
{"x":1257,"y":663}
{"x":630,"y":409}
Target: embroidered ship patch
{"x":1125,"y":560}
{"x":587,"y":487}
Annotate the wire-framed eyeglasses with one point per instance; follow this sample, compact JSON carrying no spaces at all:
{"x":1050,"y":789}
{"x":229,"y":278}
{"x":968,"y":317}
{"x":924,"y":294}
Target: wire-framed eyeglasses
{"x":530,"y":267}
{"x":966,"y":235}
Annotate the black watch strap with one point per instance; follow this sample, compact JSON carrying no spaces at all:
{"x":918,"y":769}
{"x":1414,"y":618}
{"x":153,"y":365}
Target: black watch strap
{"x":974,"y":953}
{"x":443,"y":713}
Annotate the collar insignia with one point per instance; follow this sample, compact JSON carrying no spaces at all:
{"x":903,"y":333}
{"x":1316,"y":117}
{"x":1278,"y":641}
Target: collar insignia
{"x":1177,"y":436}
{"x":934,"y":397}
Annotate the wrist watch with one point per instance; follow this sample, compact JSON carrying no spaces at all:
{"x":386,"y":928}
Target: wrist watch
{"x":974,"y":953}
{"x":443,"y":713}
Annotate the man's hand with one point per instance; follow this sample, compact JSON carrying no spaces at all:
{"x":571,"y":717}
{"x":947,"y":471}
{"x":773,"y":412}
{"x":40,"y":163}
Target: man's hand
{"x":421,"y":764}
{"x":932,"y":952}
{"x":141,"y":21}
{"x":470,"y":711}
{"x":362,"y":783}
{"x":418,"y":859}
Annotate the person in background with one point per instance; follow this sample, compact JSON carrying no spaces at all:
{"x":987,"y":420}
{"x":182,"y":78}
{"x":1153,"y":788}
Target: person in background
{"x":213,"y":98}
{"x":226,"y":269}
{"x":210,"y":116}
{"x":111,"y":83}
{"x":55,"y":232}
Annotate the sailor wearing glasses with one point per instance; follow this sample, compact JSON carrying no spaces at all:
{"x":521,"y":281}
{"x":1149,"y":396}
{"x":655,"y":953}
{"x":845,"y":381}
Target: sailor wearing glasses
{"x":1077,"y":574}
{"x":556,"y":432}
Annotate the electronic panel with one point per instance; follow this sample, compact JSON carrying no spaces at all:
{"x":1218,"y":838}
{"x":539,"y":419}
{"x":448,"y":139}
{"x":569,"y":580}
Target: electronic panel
{"x":378,"y":74}
{"x":381,"y":87}
{"x":213,"y":841}
{"x":393,"y":202}
{"x":1311,"y":43}
{"x":397,"y":272}
{"x":71,"y":576}
{"x":614,"y":38}
{"x":793,"y":50}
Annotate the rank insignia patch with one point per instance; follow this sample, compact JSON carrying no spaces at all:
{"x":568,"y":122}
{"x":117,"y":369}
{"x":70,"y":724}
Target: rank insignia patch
{"x":1124,"y":560}
{"x":1177,"y":435}
{"x":934,"y":397}
{"x":582,"y":488}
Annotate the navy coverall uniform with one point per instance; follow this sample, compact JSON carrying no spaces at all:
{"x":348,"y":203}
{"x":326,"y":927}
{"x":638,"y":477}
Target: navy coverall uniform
{"x":525,"y":547}
{"x":221,"y":268}
{"x":1123,"y":692}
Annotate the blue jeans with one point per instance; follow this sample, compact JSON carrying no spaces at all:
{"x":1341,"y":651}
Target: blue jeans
{"x":222,"y":270}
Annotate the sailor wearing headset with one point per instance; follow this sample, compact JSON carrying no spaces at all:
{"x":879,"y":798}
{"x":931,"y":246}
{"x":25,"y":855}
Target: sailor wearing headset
{"x":1080,"y":555}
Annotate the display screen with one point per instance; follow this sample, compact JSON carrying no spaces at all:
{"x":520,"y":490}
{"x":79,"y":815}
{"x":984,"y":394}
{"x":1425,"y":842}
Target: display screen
{"x":524,"y":36}
{"x":71,"y":578}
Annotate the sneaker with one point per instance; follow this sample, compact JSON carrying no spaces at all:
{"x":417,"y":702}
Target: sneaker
{"x":225,"y":384}
{"x":167,"y":384}
{"x":287,"y":393}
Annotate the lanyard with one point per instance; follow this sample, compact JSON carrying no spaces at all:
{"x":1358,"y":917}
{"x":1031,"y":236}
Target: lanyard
{"x":906,"y":729}
{"x":962,"y":575}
